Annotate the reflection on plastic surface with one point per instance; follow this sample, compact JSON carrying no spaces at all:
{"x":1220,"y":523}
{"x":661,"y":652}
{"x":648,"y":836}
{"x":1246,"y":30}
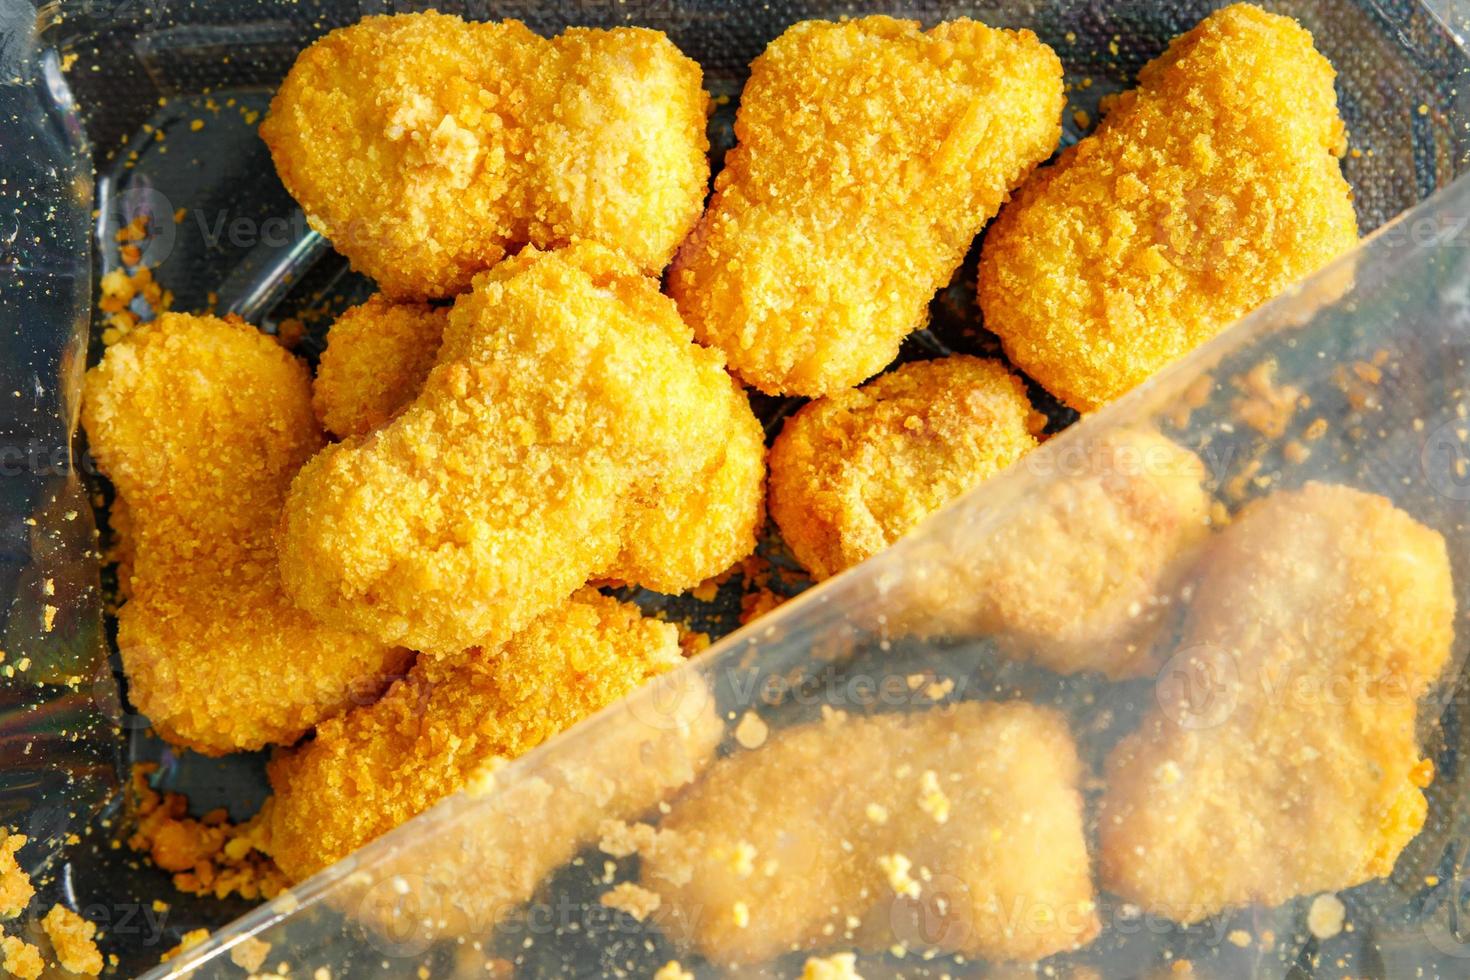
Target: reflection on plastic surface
{"x":899,"y":779}
{"x":902,"y":633}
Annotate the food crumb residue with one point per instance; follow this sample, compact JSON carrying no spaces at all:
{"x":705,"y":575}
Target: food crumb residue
{"x":635,"y":900}
{"x":672,"y":971}
{"x":21,"y":958}
{"x":15,"y":885}
{"x":751,"y":731}
{"x":895,"y":868}
{"x":72,"y":938}
{"x":250,"y":953}
{"x":838,"y":966}
{"x":931,"y":797}
{"x":1325,"y":917}
{"x":190,"y":939}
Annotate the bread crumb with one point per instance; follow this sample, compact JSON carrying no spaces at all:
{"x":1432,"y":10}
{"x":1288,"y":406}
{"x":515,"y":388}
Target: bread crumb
{"x":838,"y":966}
{"x":1265,"y":405}
{"x":751,"y":732}
{"x":896,"y":868}
{"x":15,"y":885}
{"x":931,"y":798}
{"x":71,"y":937}
{"x":249,"y":954}
{"x":740,"y":913}
{"x":672,"y":971}
{"x":21,"y":958}
{"x":1325,"y":917}
{"x":1239,"y":937}
{"x":620,"y":839}
{"x":189,"y":941}
{"x":635,"y":900}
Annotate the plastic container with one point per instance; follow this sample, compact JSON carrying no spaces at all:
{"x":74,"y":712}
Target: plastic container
{"x":90,"y":86}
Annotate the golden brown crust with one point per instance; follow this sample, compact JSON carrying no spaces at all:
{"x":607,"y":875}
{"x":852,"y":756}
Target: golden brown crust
{"x":1204,"y":192}
{"x":201,"y":423}
{"x":853,"y":472}
{"x":870,"y":156}
{"x":954,"y":817}
{"x":567,"y":391}
{"x":428,"y":148}
{"x":378,"y":355}
{"x":452,"y":718}
{"x":1281,"y":759}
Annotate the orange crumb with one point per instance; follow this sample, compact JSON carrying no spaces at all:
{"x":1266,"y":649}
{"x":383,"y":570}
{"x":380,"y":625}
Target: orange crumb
{"x":71,"y":937}
{"x":21,"y":958}
{"x":15,"y":884}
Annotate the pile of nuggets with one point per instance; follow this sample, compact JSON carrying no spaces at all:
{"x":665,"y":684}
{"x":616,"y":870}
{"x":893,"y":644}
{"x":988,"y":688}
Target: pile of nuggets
{"x":390,"y":571}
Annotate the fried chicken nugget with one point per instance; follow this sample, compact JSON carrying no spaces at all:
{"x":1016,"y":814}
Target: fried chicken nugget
{"x":1281,"y":759}
{"x":567,"y":395}
{"x":377,"y":357}
{"x":687,"y":530}
{"x":870,"y":156}
{"x":1080,"y":576}
{"x":449,"y":718}
{"x":959,"y":829}
{"x":427,"y":148}
{"x":853,"y":472}
{"x":201,"y":423}
{"x":1204,"y":192}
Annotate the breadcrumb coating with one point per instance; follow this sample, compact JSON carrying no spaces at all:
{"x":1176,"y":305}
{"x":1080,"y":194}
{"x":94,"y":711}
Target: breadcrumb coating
{"x":566,"y":394}
{"x":689,"y":528}
{"x":1080,"y":576}
{"x":428,"y":148}
{"x":1281,"y":759}
{"x":853,"y":472}
{"x":201,"y":423}
{"x":870,"y":156}
{"x":378,"y":355}
{"x":482,"y":857}
{"x":827,"y":872}
{"x":451,"y":717}
{"x":1204,"y":192}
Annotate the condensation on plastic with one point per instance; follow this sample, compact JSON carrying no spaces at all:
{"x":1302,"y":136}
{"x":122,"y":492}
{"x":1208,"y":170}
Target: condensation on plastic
{"x":139,"y":68}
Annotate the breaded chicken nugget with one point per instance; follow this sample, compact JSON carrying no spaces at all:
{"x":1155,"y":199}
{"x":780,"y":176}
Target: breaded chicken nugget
{"x":1080,"y":576}
{"x":478,"y":859}
{"x":566,"y":394}
{"x":200,"y":424}
{"x":959,"y":829}
{"x":427,"y":148}
{"x":1282,"y":759}
{"x":682,"y":532}
{"x":451,"y":717}
{"x":853,"y":472}
{"x":378,"y":355}
{"x":870,"y":156}
{"x":1203,"y":193}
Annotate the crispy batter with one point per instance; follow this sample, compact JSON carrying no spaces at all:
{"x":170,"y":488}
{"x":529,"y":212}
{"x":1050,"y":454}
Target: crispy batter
{"x":870,"y":156}
{"x":853,"y":472}
{"x":15,"y":885}
{"x":567,"y":398}
{"x":486,"y":854}
{"x":378,"y":355}
{"x":696,"y":525}
{"x":1203,"y":193}
{"x":1081,"y":575}
{"x":71,"y":938}
{"x":428,"y":148}
{"x":200,"y":424}
{"x":972,"y":883}
{"x":450,"y":718}
{"x":1281,"y":759}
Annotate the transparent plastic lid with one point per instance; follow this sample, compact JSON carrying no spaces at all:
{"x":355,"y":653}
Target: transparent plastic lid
{"x":971,"y":751}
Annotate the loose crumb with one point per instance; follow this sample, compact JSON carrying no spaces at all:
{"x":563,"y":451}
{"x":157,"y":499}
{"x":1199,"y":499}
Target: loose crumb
{"x":740,"y":914}
{"x":896,"y":868}
{"x":188,"y":942}
{"x":635,"y":900}
{"x":1239,"y":937}
{"x":1325,"y":917}
{"x":672,"y":971}
{"x":15,"y":885}
{"x":1265,"y":405}
{"x":931,"y":797}
{"x":249,"y":954}
{"x":751,"y":732}
{"x":21,"y":958}
{"x":838,"y":966}
{"x":620,"y":839}
{"x":71,"y":937}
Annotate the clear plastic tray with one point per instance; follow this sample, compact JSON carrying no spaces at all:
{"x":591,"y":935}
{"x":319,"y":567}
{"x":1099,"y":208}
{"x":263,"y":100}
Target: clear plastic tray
{"x":78,"y":91}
